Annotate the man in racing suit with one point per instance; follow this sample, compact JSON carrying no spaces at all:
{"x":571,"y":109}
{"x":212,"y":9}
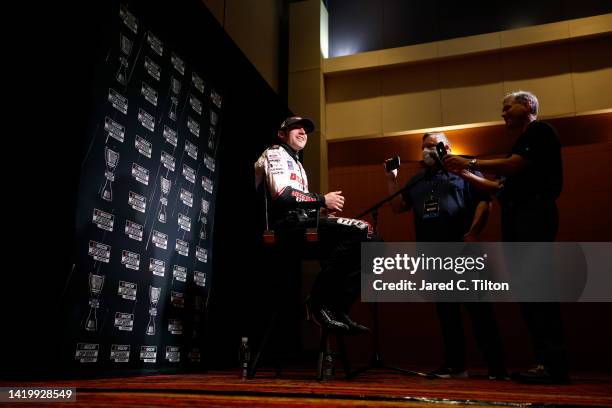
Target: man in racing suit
{"x":293,"y":207}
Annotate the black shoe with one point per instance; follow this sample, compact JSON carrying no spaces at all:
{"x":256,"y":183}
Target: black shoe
{"x":354,"y":327}
{"x":449,"y":372}
{"x":540,"y":374}
{"x":325,"y":318}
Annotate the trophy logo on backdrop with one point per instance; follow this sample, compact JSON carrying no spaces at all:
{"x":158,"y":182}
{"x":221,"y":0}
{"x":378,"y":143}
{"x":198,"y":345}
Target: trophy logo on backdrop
{"x":154,"y":294}
{"x":125,"y":44}
{"x":203,"y":216}
{"x":175,"y":87}
{"x":96,"y":283}
{"x":165,"y":190}
{"x":111,"y":159}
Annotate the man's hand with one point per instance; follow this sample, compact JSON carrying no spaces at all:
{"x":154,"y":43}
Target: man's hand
{"x":464,"y":174}
{"x":455,"y":164}
{"x":334,"y":201}
{"x":391,"y":175}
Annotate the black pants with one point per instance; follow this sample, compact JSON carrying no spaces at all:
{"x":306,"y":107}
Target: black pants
{"x":338,"y":283}
{"x":537,"y":220}
{"x":485,"y":329}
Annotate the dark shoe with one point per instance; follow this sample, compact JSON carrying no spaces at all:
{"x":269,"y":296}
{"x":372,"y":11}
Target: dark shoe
{"x":325,"y":318}
{"x":449,"y":372}
{"x":354,"y":327}
{"x":540,"y":374}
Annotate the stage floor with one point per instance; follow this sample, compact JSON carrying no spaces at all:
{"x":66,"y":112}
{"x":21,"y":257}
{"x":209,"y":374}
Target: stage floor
{"x":298,"y":388}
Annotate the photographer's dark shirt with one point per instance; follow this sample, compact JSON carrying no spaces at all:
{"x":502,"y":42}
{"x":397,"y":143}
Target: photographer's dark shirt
{"x":542,"y":179}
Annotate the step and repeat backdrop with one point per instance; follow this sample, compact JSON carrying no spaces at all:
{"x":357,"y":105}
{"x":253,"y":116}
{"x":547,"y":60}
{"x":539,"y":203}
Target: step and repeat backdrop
{"x":139,"y":287}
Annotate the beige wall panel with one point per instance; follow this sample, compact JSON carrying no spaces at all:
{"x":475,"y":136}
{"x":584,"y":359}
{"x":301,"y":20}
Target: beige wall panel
{"x":304,"y":100}
{"x":592,"y":73}
{"x":411,"y":98}
{"x":216,"y":7}
{"x":412,"y":53}
{"x":322,"y":100}
{"x":304,"y":34}
{"x":324,"y":179}
{"x":539,"y":33}
{"x":351,"y":62}
{"x":324,"y":183}
{"x":471,"y":89}
{"x":254,"y":27}
{"x":354,"y":105}
{"x":312,"y":161}
{"x":591,"y":25}
{"x":545,"y":71}
{"x":304,"y":97}
{"x":468,"y":45}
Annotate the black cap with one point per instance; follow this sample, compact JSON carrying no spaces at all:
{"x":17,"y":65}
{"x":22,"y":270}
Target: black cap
{"x":292,"y":120}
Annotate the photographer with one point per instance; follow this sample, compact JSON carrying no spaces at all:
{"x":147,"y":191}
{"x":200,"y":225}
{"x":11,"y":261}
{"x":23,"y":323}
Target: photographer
{"x":448,"y":209}
{"x":531,"y":177}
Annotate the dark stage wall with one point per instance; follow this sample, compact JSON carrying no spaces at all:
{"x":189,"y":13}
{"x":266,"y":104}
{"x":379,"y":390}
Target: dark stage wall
{"x":410,"y":331}
{"x":75,"y":60}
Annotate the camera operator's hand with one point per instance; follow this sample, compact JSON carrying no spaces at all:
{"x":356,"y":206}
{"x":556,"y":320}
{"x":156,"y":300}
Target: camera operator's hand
{"x":454,"y":163}
{"x":334,"y":201}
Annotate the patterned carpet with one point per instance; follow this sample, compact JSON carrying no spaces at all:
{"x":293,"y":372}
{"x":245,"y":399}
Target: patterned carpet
{"x":297,"y":388}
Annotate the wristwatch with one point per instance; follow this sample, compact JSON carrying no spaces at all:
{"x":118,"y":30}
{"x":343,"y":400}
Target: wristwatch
{"x":472,"y":164}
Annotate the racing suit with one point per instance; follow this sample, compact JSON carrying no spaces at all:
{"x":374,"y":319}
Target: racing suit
{"x":294,"y":207}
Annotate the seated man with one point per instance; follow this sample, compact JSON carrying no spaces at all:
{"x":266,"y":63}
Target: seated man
{"x":294,"y":207}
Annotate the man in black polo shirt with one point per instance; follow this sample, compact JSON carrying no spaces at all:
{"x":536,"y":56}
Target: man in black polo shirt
{"x":531,"y":177}
{"x":448,"y":209}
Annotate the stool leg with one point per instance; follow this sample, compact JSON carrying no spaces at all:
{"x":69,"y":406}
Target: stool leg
{"x":343,"y":355}
{"x":323,"y":351}
{"x":262,"y":346}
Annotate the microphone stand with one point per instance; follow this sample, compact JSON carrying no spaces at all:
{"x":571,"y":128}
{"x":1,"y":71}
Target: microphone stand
{"x":377,"y":361}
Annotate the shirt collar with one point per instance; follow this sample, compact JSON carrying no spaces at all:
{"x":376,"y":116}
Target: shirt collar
{"x":291,"y":152}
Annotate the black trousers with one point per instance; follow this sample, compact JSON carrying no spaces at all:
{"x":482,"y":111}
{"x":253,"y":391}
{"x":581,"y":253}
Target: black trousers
{"x":339,"y":282}
{"x":339,"y":248}
{"x":485,"y":329}
{"x":537,"y":220}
